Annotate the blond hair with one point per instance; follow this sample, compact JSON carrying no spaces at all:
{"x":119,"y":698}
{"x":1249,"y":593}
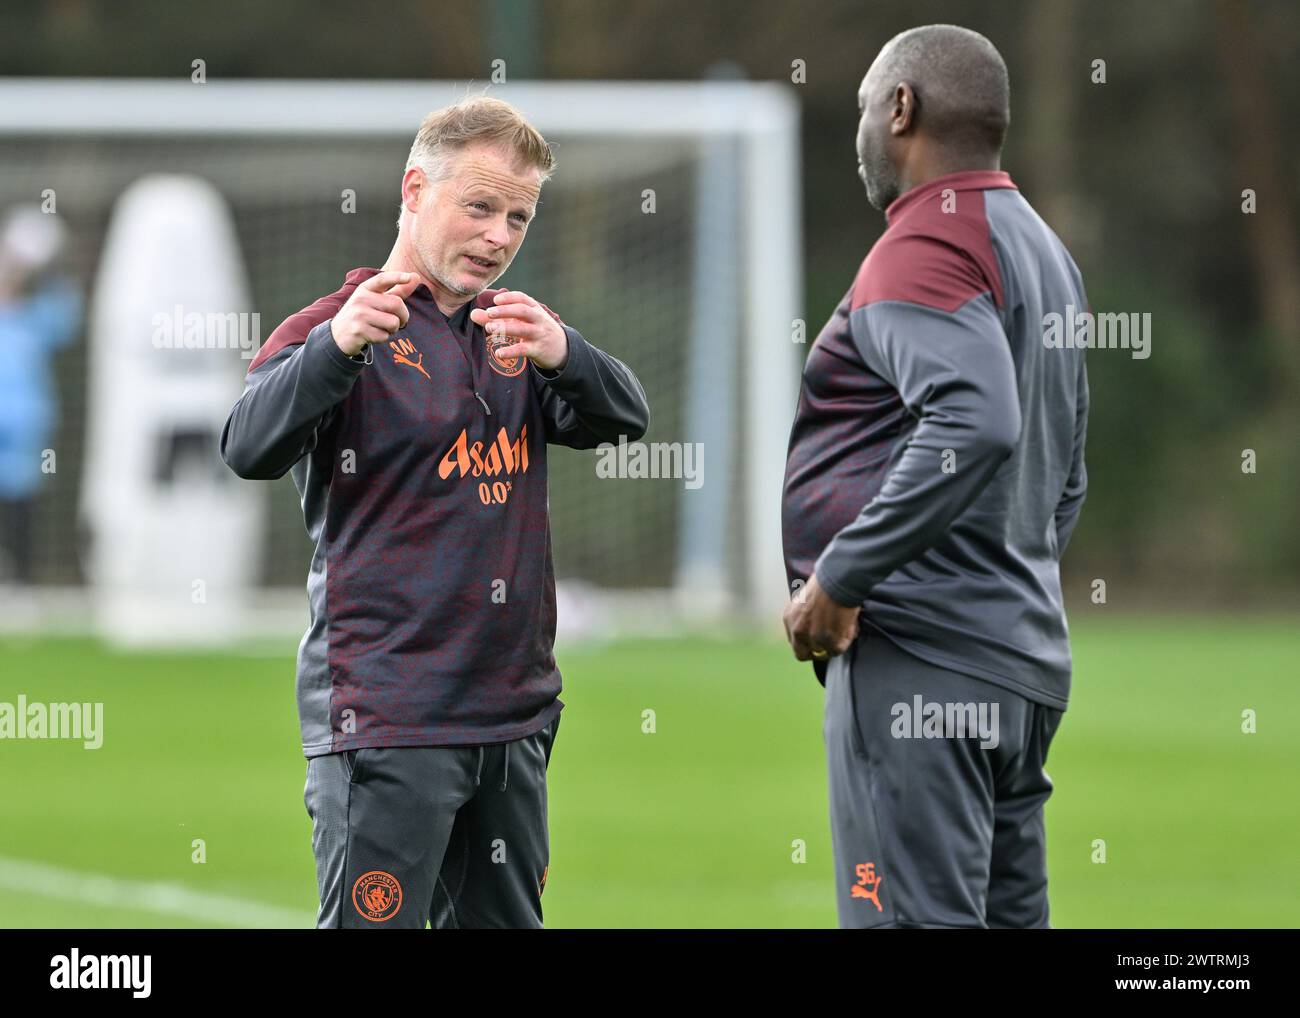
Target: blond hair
{"x":477,"y":119}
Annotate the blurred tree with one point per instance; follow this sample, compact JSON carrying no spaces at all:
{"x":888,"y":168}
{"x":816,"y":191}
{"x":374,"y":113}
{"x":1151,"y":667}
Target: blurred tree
{"x":1044,"y":102}
{"x":1271,"y":230}
{"x":1140,"y":176}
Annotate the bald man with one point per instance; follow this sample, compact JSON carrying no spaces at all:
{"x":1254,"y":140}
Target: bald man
{"x":935,"y":473}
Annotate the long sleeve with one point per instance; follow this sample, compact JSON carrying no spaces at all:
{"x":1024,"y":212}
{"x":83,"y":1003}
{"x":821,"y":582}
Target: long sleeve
{"x":954,"y":372}
{"x":1076,"y":486}
{"x":595,"y":398}
{"x":285,"y":402}
{"x":54,"y":313}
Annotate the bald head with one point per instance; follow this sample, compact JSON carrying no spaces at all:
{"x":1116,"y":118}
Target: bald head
{"x":942,"y":84}
{"x":963,"y":95}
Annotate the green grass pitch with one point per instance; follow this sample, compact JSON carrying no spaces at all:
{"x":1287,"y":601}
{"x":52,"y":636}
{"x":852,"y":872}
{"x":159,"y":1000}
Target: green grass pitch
{"x":693,"y":825}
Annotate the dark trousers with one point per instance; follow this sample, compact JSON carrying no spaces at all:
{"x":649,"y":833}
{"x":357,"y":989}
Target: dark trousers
{"x":453,"y":835}
{"x":931,"y":823}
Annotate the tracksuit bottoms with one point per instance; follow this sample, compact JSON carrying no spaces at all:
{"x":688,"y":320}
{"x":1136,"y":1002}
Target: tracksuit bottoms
{"x":937,"y":790}
{"x":452,"y":835}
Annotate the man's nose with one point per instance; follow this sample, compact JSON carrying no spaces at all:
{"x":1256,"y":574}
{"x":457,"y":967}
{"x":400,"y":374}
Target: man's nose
{"x":498,"y":234}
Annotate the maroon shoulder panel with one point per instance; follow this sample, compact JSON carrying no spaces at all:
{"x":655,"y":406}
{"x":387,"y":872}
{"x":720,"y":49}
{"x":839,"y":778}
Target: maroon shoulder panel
{"x":937,"y":250}
{"x":293,"y":330}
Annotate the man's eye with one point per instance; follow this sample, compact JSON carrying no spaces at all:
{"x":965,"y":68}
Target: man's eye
{"x":479,"y":205}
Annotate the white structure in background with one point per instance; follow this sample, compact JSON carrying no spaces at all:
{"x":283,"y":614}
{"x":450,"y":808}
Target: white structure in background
{"x":175,"y":537}
{"x":739,"y":380}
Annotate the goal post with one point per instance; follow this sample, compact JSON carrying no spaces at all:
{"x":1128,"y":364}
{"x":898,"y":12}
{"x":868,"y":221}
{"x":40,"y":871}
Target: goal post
{"x":670,"y":235}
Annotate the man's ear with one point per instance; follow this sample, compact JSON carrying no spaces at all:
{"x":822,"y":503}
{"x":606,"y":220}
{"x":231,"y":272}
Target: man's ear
{"x":902,"y":114}
{"x":413,"y":184}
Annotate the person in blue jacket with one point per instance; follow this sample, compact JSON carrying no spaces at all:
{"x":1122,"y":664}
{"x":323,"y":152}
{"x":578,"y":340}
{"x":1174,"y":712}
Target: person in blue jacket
{"x":40,"y":311}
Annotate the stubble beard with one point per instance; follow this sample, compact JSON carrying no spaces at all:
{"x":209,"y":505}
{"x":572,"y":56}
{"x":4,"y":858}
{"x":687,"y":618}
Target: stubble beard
{"x":446,"y":278}
{"x":880,"y":180}
{"x":876,"y":172}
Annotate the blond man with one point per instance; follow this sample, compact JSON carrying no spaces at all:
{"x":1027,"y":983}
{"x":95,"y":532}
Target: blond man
{"x":414,"y":406}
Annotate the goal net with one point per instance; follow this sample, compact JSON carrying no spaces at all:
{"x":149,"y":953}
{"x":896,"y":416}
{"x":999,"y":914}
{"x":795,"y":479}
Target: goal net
{"x":669,"y":236}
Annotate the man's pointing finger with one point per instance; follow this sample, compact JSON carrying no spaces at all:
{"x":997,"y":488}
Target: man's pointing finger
{"x":381,"y":281}
{"x":407,"y":288}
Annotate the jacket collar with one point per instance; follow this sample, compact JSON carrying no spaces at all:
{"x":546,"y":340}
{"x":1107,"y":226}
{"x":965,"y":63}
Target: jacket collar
{"x":965,"y":180}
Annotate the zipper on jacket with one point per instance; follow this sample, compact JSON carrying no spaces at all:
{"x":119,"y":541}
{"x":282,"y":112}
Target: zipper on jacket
{"x":473,"y":368}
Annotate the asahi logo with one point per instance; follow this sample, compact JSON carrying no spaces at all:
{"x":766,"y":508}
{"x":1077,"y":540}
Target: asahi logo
{"x":479,"y":459}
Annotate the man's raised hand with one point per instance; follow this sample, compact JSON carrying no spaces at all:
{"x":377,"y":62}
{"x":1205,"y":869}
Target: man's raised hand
{"x":533,"y":332}
{"x":374,"y":312}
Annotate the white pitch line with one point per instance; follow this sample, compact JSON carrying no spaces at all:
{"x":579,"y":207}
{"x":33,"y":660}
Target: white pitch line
{"x":40,"y":879}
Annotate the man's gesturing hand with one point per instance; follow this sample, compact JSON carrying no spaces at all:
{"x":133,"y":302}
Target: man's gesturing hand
{"x":374,"y":312}
{"x":817,"y":626}
{"x":532,"y":330}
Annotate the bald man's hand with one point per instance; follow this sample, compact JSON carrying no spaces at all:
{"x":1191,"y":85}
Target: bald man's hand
{"x":818,"y":626}
{"x":376,"y":309}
